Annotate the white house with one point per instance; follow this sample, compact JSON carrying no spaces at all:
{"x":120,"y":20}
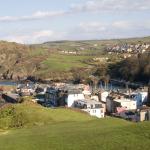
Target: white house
{"x":92,"y":107}
{"x":97,"y":112}
{"x":73,"y":96}
{"x":104,"y":96}
{"x":120,"y":102}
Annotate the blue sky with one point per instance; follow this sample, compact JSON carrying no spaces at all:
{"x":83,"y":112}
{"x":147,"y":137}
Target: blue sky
{"x":37,"y":21}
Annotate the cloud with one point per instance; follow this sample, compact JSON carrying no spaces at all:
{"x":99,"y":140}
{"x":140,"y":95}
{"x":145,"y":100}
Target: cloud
{"x":118,"y":25}
{"x":35,"y":16}
{"x":112,"y":5}
{"x":88,"y":6}
{"x":83,"y":31}
{"x":92,"y":26}
{"x":35,"y":37}
{"x":109,"y":30}
{"x":124,"y":25}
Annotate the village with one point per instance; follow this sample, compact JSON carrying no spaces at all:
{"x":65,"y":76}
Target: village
{"x":129,"y":48}
{"x":96,"y":101}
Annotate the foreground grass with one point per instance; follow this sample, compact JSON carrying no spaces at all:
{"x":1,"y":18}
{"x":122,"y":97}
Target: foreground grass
{"x":63,"y":129}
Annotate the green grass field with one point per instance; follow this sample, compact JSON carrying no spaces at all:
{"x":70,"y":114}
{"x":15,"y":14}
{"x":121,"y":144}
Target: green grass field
{"x":57,"y":62}
{"x":64,"y":129}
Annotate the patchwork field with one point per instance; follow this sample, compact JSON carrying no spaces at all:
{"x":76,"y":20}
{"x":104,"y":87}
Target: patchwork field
{"x":64,"y":129}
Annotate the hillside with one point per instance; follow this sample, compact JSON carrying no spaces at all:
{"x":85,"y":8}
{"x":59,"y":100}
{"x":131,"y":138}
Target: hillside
{"x":17,"y":60}
{"x":134,"y":69}
{"x":67,"y":129}
{"x":53,"y":60}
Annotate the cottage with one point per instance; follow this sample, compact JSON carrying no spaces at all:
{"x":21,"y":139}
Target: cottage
{"x":115,"y":104}
{"x":92,"y":107}
{"x":74,"y":95}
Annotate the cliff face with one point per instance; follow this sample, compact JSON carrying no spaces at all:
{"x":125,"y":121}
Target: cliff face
{"x":14,"y":60}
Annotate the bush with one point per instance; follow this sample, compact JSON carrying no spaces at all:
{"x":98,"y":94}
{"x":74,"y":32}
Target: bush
{"x":10,"y":118}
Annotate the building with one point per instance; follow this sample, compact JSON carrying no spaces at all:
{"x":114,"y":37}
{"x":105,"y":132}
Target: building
{"x":55,"y":97}
{"x":11,"y":98}
{"x":115,"y":104}
{"x":94,"y":108}
{"x":140,"y":98}
{"x":144,"y":114}
{"x":103,"y":96}
{"x":62,"y":94}
{"x":51,"y":97}
{"x":25,"y":89}
{"x":74,"y":95}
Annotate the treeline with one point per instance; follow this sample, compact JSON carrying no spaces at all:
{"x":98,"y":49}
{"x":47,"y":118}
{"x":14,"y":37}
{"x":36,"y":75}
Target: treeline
{"x":135,"y":69}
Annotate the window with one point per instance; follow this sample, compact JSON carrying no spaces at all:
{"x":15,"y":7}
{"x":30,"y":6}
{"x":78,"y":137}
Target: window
{"x":94,"y":111}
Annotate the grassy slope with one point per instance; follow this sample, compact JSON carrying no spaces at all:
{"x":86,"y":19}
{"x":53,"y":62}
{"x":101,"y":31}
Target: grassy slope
{"x":62,"y":129}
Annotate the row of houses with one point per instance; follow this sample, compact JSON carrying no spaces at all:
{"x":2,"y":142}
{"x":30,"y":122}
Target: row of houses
{"x":70,"y":52}
{"x":75,"y":96}
{"x":104,"y":102}
{"x":127,"y":105}
{"x":129,"y":48}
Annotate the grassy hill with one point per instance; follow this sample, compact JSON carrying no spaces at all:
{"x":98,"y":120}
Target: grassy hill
{"x":64,"y":129}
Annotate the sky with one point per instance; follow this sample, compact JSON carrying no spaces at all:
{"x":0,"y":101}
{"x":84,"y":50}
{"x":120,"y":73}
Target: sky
{"x":38,"y":21}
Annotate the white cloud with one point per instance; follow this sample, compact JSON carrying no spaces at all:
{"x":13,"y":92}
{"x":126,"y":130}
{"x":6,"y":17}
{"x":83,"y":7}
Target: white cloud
{"x":112,"y":5}
{"x":35,"y":16}
{"x":123,"y":25}
{"x":118,"y":25}
{"x":115,"y":29}
{"x":88,"y":6}
{"x":85,"y":30}
{"x":92,"y":27}
{"x":35,"y":37}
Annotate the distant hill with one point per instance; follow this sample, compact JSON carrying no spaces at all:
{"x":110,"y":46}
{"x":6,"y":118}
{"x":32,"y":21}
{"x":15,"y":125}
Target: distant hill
{"x":93,"y":43}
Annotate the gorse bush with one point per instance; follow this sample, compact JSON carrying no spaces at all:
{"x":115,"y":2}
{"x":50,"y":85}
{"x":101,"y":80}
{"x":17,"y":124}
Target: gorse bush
{"x":10,"y":118}
{"x":17,"y":120}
